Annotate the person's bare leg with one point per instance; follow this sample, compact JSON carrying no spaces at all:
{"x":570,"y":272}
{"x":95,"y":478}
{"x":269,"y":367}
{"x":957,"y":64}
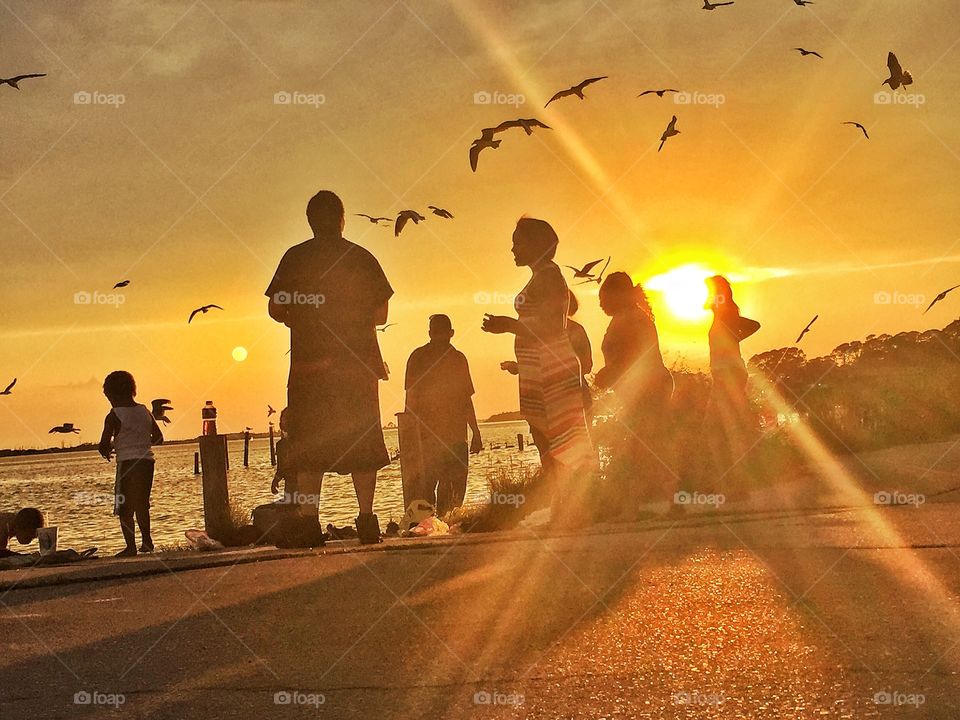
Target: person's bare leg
{"x":127,"y":528}
{"x":365,"y":484}
{"x":307,"y":495}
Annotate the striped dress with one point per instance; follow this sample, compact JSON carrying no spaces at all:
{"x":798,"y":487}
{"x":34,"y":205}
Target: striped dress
{"x":551,"y":398}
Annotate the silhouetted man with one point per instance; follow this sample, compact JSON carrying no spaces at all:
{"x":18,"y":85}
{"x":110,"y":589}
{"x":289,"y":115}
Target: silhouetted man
{"x":332,"y":294}
{"x":440,"y":398}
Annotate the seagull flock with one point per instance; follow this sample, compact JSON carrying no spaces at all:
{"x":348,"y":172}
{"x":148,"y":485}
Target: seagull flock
{"x":491,"y":139}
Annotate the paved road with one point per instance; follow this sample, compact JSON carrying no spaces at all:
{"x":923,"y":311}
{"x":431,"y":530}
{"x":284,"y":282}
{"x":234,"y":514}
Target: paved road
{"x":761,"y":614}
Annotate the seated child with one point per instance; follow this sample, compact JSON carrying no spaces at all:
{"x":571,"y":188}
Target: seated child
{"x":22,"y":525}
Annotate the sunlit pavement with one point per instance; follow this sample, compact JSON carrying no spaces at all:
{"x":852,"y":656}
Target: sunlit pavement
{"x":792,"y":613}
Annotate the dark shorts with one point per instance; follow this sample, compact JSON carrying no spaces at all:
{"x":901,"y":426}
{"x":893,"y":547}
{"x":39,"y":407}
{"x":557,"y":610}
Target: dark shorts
{"x":334,"y":419}
{"x":445,"y":468}
{"x":134,"y":483}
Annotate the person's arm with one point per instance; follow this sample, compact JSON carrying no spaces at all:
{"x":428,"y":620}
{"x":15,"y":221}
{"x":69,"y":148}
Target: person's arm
{"x":622,"y":346}
{"x":5,"y":532}
{"x":381,"y":314}
{"x":476,"y":442}
{"x":510,"y":366}
{"x":111,"y":426}
{"x":499,"y":324}
{"x":277,"y":293}
{"x":552,"y":295}
{"x":279,"y":312}
{"x":746,"y":327}
{"x":156,"y":435}
{"x":410,"y":382}
{"x":553,"y":299}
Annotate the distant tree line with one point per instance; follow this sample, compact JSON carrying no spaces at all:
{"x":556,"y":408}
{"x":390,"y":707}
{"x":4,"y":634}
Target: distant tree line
{"x":884,"y":390}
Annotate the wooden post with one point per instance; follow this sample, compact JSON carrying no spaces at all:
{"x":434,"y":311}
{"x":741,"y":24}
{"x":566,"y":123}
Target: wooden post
{"x":273,"y":449}
{"x":196,"y":463}
{"x":520,"y":442}
{"x":226,"y":451}
{"x":216,"y":500}
{"x":246,"y":448}
{"x":411,"y":458}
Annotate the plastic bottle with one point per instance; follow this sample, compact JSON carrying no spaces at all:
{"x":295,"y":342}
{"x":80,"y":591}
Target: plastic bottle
{"x":209,"y":415}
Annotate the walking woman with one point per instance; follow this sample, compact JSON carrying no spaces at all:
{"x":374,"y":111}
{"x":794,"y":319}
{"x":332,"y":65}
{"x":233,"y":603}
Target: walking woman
{"x":581,"y":346}
{"x":634,"y":369}
{"x":730,"y":426}
{"x":551,"y":399}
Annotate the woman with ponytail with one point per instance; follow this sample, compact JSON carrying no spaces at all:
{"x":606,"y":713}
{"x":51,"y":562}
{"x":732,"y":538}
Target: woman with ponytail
{"x":634,"y":369}
{"x":730,"y":425}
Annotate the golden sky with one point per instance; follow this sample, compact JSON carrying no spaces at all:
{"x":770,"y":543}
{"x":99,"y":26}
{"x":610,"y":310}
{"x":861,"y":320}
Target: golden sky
{"x":184,"y":176}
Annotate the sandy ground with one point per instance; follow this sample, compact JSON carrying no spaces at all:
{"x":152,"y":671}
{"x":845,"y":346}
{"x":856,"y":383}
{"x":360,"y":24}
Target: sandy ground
{"x":809,"y":601}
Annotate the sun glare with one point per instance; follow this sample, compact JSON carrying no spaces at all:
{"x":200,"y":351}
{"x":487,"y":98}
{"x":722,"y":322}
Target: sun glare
{"x":683,"y":290}
{"x":239,"y":353}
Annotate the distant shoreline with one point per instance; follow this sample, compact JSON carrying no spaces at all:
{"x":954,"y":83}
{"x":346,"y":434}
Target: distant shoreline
{"x":85,"y":447}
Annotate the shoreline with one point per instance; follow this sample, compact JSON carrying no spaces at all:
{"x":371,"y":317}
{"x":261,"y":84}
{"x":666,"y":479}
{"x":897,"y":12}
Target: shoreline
{"x":231,"y":437}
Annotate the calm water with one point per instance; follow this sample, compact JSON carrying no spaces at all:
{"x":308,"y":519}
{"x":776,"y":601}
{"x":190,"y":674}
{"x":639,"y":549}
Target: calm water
{"x":75,"y":490}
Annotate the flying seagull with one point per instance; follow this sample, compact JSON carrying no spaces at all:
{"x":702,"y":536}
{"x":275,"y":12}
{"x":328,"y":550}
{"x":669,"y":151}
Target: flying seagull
{"x":862,"y":128}
{"x":383,"y":328}
{"x":64,"y":429}
{"x":941,"y":296}
{"x":658,"y":93}
{"x":121,"y":284}
{"x":669,"y":132}
{"x":805,"y":52}
{"x":14,"y":82}
{"x":205,"y":309}
{"x":160,"y":408}
{"x":440,"y":212}
{"x":576,"y":89}
{"x":402,"y":220}
{"x":707,"y":5}
{"x":528,"y":124}
{"x":806,"y":330}
{"x":599,"y":278}
{"x":270,"y":411}
{"x":6,"y":391}
{"x":584,"y":272}
{"x":898,"y":76}
{"x":371,"y":218}
{"x":801,"y":3}
{"x":487,"y":139}
{"x":482,"y":143}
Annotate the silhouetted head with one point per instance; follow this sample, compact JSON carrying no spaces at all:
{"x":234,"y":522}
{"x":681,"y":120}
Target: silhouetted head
{"x":26,"y":523}
{"x":119,"y":386}
{"x":720,"y":295}
{"x":618,"y":294}
{"x":325,"y":214}
{"x":441,"y":329}
{"x":534,"y":242}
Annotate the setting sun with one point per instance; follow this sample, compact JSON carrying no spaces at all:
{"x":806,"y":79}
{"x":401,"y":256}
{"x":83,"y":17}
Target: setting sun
{"x":683,"y":290}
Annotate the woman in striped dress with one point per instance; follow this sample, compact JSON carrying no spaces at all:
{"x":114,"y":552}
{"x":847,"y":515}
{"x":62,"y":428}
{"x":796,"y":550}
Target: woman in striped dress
{"x":551,"y":400}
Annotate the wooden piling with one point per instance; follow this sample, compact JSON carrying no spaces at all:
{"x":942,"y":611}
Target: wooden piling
{"x":226,"y":451}
{"x":246,"y":448}
{"x":196,"y":463}
{"x":273,"y":449}
{"x":520,"y":442}
{"x":216,"y":499}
